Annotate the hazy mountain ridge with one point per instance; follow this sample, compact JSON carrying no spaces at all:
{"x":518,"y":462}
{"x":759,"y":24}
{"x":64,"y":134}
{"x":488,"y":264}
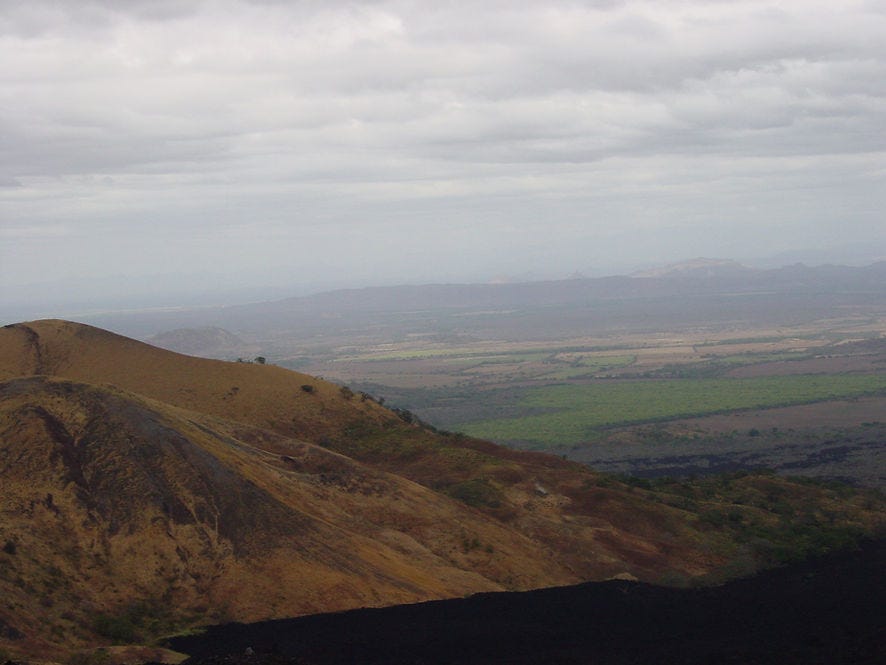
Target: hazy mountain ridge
{"x":706,"y":277}
{"x":206,"y":342}
{"x":700,"y":267}
{"x":699,"y":287}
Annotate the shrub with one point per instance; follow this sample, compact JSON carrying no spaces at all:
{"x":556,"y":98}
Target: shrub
{"x":714,"y":518}
{"x":476,"y":492}
{"x":469,"y":544}
{"x":405,"y":415}
{"x":118,"y":629}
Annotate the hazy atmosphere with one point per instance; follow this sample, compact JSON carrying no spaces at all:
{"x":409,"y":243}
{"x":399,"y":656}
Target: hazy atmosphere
{"x":268,"y":148}
{"x":398,"y":331}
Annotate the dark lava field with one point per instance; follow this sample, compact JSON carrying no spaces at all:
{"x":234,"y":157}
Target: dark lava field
{"x":828,"y":610}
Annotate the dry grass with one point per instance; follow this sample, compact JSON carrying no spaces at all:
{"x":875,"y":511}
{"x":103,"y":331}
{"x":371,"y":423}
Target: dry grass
{"x":199,"y":483}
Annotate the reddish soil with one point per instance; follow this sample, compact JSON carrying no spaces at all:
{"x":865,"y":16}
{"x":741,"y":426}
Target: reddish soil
{"x":824,"y":365}
{"x":841,"y":413}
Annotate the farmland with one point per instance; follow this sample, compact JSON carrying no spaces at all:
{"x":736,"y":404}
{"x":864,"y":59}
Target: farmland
{"x":572,"y":414}
{"x":628,"y":374}
{"x":808,"y":399}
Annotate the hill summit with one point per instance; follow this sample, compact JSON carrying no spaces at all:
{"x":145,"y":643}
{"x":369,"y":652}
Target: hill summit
{"x":144,"y":491}
{"x":697,"y":268}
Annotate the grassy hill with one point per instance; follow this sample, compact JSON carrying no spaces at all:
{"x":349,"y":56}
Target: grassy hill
{"x":144,"y":492}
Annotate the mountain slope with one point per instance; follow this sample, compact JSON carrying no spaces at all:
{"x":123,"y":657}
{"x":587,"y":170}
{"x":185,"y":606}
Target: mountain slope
{"x":134,"y":477}
{"x":264,"y":396}
{"x":111,"y":499}
{"x":556,"y":502}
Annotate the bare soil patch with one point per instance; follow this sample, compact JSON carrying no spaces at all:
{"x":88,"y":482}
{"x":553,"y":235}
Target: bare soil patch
{"x":841,"y":413}
{"x":824,"y":365}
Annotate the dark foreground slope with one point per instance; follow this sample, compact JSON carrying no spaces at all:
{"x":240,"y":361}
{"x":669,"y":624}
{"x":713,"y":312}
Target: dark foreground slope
{"x":827,"y":610}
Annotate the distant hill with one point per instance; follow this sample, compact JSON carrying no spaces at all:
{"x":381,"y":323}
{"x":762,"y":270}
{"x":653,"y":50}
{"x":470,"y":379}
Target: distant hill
{"x":690,"y":292}
{"x":144,"y":491}
{"x":206,"y":342}
{"x":697,"y":268}
{"x":696,"y":277}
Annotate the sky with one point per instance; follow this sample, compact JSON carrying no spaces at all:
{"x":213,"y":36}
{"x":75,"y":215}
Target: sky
{"x":175,"y":148}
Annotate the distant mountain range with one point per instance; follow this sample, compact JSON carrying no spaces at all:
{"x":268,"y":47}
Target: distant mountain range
{"x":695,"y":277}
{"x":691,"y":292}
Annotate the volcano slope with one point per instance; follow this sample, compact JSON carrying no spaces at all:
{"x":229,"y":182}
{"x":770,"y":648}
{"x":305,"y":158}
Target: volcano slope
{"x":829,"y":609}
{"x":143,"y":492}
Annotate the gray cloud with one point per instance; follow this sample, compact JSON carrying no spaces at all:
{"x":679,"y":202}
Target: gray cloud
{"x":450,"y":140}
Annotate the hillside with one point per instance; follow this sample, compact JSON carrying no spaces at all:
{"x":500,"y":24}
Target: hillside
{"x":109,"y":498}
{"x":264,"y":396}
{"x":167,"y":491}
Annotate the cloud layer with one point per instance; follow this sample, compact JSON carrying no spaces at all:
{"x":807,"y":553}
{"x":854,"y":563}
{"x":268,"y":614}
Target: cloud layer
{"x":388,"y":141}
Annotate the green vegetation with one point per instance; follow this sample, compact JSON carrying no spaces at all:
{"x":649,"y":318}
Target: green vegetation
{"x":120,"y":629}
{"x":476,"y":492}
{"x":764,"y":520}
{"x":138,"y":622}
{"x":576,"y":413}
{"x":587,"y":365}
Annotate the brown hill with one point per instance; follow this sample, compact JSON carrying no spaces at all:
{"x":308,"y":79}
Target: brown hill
{"x":109,"y":499}
{"x":144,"y":491}
{"x":260,"y":395}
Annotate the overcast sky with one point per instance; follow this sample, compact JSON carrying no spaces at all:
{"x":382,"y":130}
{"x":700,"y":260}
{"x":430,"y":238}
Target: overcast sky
{"x":274,"y":143}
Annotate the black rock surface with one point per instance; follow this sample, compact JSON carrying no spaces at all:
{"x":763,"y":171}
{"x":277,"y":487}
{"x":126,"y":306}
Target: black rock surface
{"x":828,"y":610}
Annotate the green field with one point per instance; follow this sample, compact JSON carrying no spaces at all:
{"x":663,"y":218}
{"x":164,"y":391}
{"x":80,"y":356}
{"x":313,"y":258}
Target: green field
{"x":588,"y":365}
{"x":577,"y":413}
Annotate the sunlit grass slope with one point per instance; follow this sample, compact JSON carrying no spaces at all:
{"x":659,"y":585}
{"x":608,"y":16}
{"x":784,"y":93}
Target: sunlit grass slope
{"x":261,"y":395}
